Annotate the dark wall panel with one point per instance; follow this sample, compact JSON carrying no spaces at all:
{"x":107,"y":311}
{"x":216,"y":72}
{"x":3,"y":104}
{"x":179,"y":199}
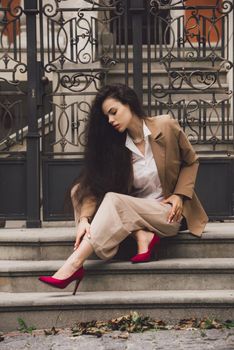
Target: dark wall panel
{"x":215,"y":186}
{"x":58,"y":175}
{"x":13,"y":189}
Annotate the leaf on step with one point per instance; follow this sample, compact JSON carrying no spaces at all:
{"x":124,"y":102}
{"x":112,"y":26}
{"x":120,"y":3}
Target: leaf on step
{"x":210,"y":324}
{"x":130,"y":323}
{"x":51,"y":331}
{"x":187,"y":323}
{"x":124,"y":335}
{"x":161,"y":325}
{"x":88,"y":329}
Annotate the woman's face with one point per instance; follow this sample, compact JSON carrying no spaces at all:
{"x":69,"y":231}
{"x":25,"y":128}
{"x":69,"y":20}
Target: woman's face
{"x":118,"y":114}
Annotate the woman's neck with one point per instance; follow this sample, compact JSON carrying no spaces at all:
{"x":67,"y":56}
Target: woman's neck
{"x":135,"y":129}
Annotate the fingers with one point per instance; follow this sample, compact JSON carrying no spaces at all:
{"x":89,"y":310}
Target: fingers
{"x":81,"y":232}
{"x":175,"y":214}
{"x":77,"y":242}
{"x":171,"y":216}
{"x":88,"y":231}
{"x":178,"y":214}
{"x":176,"y":210}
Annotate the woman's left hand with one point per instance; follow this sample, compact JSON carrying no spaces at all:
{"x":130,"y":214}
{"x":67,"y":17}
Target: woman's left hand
{"x":177,"y":207}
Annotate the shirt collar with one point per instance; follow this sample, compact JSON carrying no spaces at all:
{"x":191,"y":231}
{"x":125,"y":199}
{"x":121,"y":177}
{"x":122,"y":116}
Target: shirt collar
{"x":130,"y":144}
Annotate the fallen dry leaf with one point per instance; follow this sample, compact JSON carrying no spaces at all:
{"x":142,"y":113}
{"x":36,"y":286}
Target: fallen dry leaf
{"x":189,"y":323}
{"x":124,"y":335}
{"x":210,"y":324}
{"x":51,"y":331}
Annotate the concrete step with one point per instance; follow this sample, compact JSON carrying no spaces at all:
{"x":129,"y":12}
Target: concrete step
{"x":216,"y":242}
{"x":50,"y":243}
{"x":208,"y":273}
{"x":56,"y":243}
{"x":44,"y":310}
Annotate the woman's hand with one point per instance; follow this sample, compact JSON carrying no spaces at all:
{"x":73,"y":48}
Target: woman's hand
{"x":177,"y":207}
{"x":82,"y":229}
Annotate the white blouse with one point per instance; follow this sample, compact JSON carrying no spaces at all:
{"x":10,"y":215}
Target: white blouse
{"x":145,"y":173}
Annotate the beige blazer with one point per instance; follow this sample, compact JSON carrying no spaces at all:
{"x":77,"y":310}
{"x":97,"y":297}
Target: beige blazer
{"x":177,"y":165}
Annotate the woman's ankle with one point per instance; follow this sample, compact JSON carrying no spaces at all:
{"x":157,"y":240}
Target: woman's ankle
{"x":67,"y":270}
{"x":143,"y":239}
{"x":143,"y":236}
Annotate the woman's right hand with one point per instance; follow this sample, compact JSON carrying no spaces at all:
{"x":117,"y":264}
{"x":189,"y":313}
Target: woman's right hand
{"x":82,"y":229}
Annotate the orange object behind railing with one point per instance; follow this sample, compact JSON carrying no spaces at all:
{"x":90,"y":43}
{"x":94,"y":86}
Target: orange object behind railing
{"x":194,"y":24}
{"x":12,"y":28}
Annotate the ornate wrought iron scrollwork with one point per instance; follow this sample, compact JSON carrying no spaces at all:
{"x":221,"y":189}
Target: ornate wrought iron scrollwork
{"x":11,"y":130}
{"x":80,"y":49}
{"x":196,"y":61}
{"x":79,"y":82}
{"x":13,"y":70}
{"x":71,"y":122}
{"x":79,"y":39}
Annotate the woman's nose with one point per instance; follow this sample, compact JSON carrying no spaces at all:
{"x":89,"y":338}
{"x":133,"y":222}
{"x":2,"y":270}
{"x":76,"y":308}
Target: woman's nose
{"x":110,"y":119}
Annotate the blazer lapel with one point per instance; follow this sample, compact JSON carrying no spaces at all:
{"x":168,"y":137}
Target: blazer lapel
{"x":156,"y":140}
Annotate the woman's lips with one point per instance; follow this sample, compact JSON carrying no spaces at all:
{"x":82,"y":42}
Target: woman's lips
{"x":116,"y":126}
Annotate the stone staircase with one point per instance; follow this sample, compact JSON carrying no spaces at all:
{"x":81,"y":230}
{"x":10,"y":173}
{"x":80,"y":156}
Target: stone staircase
{"x":193,"y":278}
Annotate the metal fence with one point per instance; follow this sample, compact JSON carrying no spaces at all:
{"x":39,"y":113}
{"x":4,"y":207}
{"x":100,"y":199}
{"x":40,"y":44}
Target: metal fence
{"x":54,"y":56}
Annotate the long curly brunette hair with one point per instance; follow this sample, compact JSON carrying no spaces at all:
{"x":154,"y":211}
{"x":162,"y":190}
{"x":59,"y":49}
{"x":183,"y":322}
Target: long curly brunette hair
{"x":107,"y":162}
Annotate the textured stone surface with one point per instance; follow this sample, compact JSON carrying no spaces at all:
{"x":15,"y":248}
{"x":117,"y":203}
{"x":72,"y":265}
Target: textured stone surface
{"x":208,"y":273}
{"x":63,"y":309}
{"x":56,"y":243}
{"x":151,"y":340}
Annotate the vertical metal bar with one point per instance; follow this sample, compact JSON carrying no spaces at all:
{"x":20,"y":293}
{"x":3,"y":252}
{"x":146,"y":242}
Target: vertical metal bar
{"x":178,"y":36}
{"x":14,"y":40}
{"x":203,"y":106}
{"x":232,"y":107}
{"x":126,"y":40}
{"x":72,"y":42}
{"x":223,"y":121}
{"x":42,"y":30}
{"x":223,"y":35}
{"x":149,"y":61}
{"x":204,"y":36}
{"x":33,"y":149}
{"x":115,"y":35}
{"x":48,"y":38}
{"x":52,"y":40}
{"x":228,"y":26}
{"x":160,"y":36}
{"x":199,"y":123}
{"x":73,"y":124}
{"x":226,"y":106}
{"x":20,"y":46}
{"x":137,"y":8}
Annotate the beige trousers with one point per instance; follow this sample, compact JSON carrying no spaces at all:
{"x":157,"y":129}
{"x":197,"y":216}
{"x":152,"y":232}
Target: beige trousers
{"x":119,"y":215}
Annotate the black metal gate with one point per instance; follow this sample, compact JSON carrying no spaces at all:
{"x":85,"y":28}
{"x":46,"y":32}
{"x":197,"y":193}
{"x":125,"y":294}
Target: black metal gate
{"x":178,"y":56}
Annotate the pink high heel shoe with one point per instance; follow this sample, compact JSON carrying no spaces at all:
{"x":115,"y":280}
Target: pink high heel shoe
{"x":144,"y":257}
{"x":57,"y":283}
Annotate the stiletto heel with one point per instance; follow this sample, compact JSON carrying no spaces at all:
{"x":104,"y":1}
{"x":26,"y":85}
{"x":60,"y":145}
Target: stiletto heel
{"x":76,"y":287}
{"x":57,"y":283}
{"x":144,"y":257}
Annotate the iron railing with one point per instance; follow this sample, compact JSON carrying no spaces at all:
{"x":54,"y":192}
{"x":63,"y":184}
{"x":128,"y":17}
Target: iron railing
{"x":54,"y":58}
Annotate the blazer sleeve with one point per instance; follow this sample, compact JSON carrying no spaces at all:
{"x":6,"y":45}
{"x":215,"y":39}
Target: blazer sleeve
{"x":87,"y":208}
{"x":189,"y":164}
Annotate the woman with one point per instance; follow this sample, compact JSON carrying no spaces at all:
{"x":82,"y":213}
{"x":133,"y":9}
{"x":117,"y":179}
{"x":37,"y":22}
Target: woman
{"x":139,"y":175}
